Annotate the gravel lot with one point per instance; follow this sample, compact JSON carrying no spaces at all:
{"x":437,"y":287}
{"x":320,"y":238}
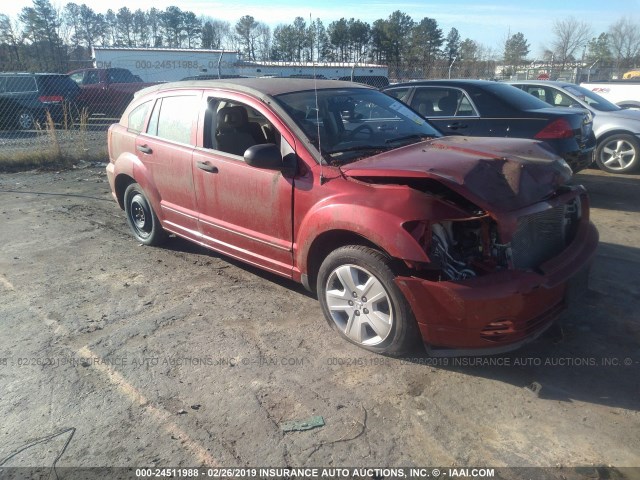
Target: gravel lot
{"x":176,"y":356}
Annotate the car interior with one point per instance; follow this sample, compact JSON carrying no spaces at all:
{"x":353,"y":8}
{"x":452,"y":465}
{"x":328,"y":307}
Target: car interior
{"x":233,"y":127}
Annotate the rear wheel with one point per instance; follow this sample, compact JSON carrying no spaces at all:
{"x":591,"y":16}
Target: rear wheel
{"x":141,"y":218}
{"x":618,"y":153}
{"x":24,"y":120}
{"x":361,"y":301}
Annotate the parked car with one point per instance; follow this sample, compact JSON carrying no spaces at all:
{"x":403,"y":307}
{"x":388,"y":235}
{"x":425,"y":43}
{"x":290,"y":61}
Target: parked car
{"x":25,"y":98}
{"x":463,"y":243}
{"x":106,"y":91}
{"x":617,"y":130}
{"x":492,"y":109}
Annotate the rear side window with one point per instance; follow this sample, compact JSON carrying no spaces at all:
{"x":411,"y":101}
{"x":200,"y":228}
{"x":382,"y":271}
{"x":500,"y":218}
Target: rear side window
{"x":91,"y":78}
{"x":57,"y":84}
{"x":138,"y":116}
{"x":21,"y":85}
{"x":513,"y":96}
{"x":175,"y":117}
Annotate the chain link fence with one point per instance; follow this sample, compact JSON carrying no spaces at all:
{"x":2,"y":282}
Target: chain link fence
{"x":48,"y":119}
{"x":60,"y":119}
{"x":42,"y":123}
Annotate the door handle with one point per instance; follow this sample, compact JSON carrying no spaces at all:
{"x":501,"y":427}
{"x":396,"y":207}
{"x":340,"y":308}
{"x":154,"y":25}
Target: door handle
{"x":456,"y":125}
{"x":207,"y":167}
{"x":144,"y":149}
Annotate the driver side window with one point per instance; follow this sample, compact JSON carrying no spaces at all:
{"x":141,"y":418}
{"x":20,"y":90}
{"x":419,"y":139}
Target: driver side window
{"x":232,"y":127}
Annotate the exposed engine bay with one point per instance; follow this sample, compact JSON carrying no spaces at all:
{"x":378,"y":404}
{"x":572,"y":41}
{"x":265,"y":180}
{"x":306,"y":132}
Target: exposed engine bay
{"x":469,"y":248}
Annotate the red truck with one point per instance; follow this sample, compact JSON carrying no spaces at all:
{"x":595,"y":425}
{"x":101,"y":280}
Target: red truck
{"x":106,"y":91}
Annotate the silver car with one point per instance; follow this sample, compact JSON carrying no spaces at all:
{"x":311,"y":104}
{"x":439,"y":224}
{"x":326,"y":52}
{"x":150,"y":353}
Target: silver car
{"x":617,"y":130}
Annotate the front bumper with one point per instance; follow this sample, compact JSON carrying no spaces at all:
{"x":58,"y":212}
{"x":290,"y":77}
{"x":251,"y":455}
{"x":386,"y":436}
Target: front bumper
{"x":500,"y":311}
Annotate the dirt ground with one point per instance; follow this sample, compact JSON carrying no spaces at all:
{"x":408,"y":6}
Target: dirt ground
{"x":175,"y":356}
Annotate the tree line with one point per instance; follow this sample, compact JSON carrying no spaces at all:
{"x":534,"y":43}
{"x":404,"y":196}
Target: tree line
{"x":43,"y":38}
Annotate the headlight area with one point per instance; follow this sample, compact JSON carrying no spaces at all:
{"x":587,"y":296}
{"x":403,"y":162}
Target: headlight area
{"x":459,"y":249}
{"x":471,"y":247}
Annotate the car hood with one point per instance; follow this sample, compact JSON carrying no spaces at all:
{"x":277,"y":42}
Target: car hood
{"x":627,"y":113}
{"x":497,"y":174}
{"x":626,"y":119}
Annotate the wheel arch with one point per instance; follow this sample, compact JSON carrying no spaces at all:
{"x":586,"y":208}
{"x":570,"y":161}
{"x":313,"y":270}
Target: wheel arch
{"x":121,"y":183}
{"x":332,"y":226}
{"x":616,"y":131}
{"x":327,"y":242}
{"x":129,"y":169}
{"x":628,"y":104}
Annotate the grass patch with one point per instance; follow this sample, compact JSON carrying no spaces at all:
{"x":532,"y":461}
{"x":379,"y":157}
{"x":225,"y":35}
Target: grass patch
{"x":53,"y":147}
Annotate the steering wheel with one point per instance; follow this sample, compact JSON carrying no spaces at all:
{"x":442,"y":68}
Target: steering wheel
{"x":360,"y":129}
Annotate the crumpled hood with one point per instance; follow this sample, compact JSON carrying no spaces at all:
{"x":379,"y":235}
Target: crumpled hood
{"x":497,"y":174}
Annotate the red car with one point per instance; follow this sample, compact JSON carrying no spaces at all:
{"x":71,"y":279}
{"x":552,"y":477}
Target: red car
{"x":470,"y":245}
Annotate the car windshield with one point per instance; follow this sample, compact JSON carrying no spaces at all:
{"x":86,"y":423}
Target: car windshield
{"x":349,"y":124}
{"x":592,"y":99}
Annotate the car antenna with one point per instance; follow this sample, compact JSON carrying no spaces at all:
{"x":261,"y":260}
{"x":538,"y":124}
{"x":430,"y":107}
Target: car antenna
{"x":315,"y":91}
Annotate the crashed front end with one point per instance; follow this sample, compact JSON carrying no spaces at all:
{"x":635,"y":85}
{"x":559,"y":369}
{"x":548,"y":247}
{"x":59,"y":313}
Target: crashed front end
{"x":499,"y":276}
{"x":495,"y":282}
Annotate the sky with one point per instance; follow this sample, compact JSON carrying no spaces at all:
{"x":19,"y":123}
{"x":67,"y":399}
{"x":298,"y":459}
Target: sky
{"x":487,"y":22}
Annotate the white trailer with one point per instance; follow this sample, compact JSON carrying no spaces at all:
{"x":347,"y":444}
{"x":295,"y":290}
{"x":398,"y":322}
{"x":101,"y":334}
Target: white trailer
{"x":329,"y":70}
{"x":624,"y":93}
{"x":166,"y":64}
{"x":170,"y":64}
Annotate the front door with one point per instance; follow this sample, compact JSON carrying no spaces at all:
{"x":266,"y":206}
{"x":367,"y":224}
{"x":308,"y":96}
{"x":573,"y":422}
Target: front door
{"x":245,"y":212}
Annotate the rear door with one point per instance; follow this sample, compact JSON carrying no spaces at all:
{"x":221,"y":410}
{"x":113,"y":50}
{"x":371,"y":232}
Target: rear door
{"x":245,"y":212}
{"x":166,"y":150}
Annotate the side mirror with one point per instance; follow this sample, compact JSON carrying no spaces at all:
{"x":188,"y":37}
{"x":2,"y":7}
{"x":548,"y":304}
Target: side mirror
{"x":268,"y":156}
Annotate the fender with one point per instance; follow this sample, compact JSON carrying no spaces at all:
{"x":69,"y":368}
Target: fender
{"x":383,"y":227}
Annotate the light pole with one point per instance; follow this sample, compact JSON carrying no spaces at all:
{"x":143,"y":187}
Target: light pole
{"x":450,"y":66}
{"x":589,"y":72}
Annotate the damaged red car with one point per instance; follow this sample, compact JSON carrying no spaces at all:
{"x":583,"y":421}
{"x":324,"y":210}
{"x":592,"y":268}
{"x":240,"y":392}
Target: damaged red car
{"x":468,"y":245}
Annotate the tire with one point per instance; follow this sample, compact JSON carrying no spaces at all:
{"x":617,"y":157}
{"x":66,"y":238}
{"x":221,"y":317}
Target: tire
{"x":619,"y":153}
{"x":383,"y":323}
{"x":141,"y":218}
{"x":25,"y":120}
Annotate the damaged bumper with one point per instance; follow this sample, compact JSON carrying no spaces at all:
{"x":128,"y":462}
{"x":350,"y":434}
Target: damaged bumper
{"x":500,"y":311}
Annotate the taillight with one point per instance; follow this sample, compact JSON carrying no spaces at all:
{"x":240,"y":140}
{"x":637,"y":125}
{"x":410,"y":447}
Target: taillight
{"x":560,"y":128}
{"x":51,"y":98}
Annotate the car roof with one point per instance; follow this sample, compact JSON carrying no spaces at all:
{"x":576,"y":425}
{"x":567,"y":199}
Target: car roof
{"x":553,"y":83}
{"x":258,"y":86}
{"x":444,"y":81}
{"x":39,"y":74}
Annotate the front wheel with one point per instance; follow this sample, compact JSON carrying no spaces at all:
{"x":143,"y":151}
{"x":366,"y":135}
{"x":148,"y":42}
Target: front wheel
{"x":618,"y":153}
{"x":360,"y":300}
{"x":141,"y":218}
